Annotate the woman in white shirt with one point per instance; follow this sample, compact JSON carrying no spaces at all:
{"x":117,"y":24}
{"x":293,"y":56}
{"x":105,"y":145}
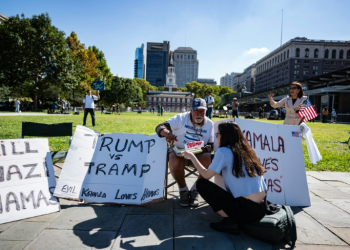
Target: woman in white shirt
{"x":243,"y":201}
{"x":292,"y":103}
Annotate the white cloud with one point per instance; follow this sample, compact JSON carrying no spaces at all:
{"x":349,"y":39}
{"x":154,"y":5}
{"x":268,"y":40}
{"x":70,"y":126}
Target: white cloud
{"x":258,"y":50}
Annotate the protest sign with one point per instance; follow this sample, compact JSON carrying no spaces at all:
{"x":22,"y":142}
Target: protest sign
{"x":280,"y":152}
{"x":113,"y":168}
{"x":27,"y":179}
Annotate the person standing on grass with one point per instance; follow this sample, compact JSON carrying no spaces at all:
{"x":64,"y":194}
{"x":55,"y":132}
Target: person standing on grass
{"x":102,"y":108}
{"x":89,"y":106}
{"x":210,"y":103}
{"x":235,"y":106}
{"x":334,"y":116}
{"x":54,"y":106}
{"x":243,"y":201}
{"x":159,"y":110}
{"x":17,"y":103}
{"x":118,"y":108}
{"x":324,"y":115}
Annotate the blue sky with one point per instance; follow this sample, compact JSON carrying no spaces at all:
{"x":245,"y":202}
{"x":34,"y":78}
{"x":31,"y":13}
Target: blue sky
{"x":228,"y":35}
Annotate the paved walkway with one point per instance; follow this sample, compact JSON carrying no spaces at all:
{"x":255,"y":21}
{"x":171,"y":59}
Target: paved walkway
{"x":166,"y":225}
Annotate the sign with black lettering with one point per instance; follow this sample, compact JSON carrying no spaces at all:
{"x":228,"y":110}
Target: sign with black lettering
{"x":113,"y":168}
{"x":280,"y":151}
{"x":27,"y":179}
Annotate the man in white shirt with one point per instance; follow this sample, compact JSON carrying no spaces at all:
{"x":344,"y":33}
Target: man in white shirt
{"x":210,"y":103}
{"x":89,"y":106}
{"x":180,"y":130}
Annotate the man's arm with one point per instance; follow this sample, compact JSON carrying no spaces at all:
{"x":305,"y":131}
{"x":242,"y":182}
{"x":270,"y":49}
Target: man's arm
{"x":164,"y":130}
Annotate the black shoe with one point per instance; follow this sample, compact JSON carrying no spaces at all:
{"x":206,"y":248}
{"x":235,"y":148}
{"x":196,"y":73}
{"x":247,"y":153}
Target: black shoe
{"x":226,"y":225}
{"x":194,"y":198}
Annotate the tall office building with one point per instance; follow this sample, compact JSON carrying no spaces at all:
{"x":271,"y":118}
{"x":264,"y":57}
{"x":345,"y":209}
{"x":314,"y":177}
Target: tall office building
{"x":3,"y":18}
{"x":186,"y":65}
{"x":227,"y":80}
{"x":157,"y":63}
{"x":140,"y":62}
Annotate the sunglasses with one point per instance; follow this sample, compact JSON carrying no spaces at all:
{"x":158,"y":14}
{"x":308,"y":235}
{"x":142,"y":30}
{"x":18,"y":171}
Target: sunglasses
{"x":293,"y":87}
{"x":217,"y":134}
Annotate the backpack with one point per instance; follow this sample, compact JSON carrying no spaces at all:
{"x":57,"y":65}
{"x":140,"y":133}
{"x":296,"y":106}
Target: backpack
{"x":278,"y":224}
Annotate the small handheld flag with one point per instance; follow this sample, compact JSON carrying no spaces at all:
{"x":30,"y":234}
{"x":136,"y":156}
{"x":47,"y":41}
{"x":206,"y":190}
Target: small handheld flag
{"x":307,"y":110}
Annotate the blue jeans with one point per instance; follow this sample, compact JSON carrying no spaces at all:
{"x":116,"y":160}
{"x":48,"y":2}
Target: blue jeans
{"x":209,"y":112}
{"x":17,"y":109}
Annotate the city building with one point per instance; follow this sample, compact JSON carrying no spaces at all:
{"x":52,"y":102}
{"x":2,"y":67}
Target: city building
{"x":3,"y":18}
{"x":157,"y":62}
{"x":209,"y":81}
{"x":170,"y":99}
{"x":227,"y":80}
{"x":140,"y":62}
{"x":186,"y":65}
{"x":299,"y":59}
{"x":246,"y":80}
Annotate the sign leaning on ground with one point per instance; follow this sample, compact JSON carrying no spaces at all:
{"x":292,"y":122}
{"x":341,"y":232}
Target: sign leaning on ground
{"x":113,"y":168}
{"x":98,"y":85}
{"x":27,"y":179}
{"x":280,"y":152}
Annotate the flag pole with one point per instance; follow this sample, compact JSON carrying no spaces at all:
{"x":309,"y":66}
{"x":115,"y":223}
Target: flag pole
{"x":301,"y":120}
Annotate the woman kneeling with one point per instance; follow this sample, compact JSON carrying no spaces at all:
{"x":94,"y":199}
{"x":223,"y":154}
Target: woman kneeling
{"x":244,"y":200}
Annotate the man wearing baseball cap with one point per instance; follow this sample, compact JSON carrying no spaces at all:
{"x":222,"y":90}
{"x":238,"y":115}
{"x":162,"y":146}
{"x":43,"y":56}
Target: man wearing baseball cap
{"x":180,"y":130}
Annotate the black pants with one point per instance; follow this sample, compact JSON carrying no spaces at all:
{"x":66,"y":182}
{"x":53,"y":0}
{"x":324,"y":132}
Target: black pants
{"x":235,"y":113}
{"x":240,"y":209}
{"x":92,"y":113}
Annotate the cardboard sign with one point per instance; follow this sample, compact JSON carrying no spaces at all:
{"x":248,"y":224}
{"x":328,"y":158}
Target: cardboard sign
{"x":113,"y":168}
{"x":27,"y":179}
{"x":98,"y":85}
{"x":194,"y":145}
{"x":280,"y":151}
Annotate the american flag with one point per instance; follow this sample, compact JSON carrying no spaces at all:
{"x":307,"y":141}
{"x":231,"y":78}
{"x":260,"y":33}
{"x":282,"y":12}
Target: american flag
{"x":295,"y":134}
{"x":307,"y":110}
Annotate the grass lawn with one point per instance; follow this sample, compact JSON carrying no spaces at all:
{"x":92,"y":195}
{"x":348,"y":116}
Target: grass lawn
{"x":336,"y":156}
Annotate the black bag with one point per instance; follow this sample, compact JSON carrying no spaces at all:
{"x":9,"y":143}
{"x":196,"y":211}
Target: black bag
{"x":278,"y":224}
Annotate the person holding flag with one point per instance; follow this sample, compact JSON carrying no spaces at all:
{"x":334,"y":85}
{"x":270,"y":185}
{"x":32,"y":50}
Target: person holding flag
{"x":293,"y":103}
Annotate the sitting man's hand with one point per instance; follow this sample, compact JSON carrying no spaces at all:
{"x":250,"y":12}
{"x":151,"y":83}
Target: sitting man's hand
{"x":171,"y":138}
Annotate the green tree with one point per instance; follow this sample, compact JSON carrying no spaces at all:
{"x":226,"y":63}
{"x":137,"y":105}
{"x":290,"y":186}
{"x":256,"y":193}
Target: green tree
{"x":196,"y":88}
{"x":225,"y":90}
{"x":160,"y":88}
{"x":145,"y":86}
{"x":122,"y":90}
{"x":34,"y":55}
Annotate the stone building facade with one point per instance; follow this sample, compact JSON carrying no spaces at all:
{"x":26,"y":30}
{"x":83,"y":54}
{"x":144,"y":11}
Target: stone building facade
{"x":227,"y":80}
{"x":171,"y":101}
{"x":299,"y":59}
{"x":186,"y":65}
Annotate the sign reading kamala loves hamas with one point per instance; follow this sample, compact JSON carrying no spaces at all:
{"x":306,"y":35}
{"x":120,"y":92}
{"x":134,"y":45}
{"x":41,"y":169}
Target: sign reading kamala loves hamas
{"x":113,"y":168}
{"x":27,"y":179}
{"x":280,"y":152}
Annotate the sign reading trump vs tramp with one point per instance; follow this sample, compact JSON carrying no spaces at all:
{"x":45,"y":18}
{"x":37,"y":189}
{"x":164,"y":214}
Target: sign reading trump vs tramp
{"x":27,"y":179}
{"x":113,"y":168}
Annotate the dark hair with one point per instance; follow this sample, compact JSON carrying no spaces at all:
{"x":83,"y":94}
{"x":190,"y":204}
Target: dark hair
{"x":87,"y":91}
{"x":299,"y":86}
{"x":208,"y":91}
{"x":232,"y":136}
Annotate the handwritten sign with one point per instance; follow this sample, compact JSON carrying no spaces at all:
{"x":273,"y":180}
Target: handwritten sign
{"x":98,"y":85}
{"x":194,"y":145}
{"x":113,"y":168}
{"x":27,"y":179}
{"x":281,"y":154}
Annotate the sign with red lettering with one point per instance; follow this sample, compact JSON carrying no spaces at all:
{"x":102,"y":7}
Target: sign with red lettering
{"x":281,"y":154}
{"x":27,"y":179}
{"x":113,"y":168}
{"x":194,"y":145}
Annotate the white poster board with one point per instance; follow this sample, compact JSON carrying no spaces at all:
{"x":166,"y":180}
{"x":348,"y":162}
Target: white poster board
{"x":280,"y":151}
{"x":27,"y":179}
{"x":113,"y":168}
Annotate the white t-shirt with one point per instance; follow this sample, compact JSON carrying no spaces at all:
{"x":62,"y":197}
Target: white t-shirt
{"x":89,"y":101}
{"x":183,"y":128}
{"x":223,"y":161}
{"x":209,"y":99}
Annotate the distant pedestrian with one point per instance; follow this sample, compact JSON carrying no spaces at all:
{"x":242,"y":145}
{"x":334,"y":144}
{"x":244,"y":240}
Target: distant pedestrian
{"x":113,"y":109}
{"x":334,"y":116}
{"x":118,"y":108}
{"x":152,"y":109}
{"x":161,"y":110}
{"x":17,"y":103}
{"x":54,"y":106}
{"x":235,"y":106}
{"x":89,"y":106}
{"x":102,"y":108}
{"x":68,"y":106}
{"x":261,"y":113}
{"x":324,"y":115}
{"x":210,"y":103}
